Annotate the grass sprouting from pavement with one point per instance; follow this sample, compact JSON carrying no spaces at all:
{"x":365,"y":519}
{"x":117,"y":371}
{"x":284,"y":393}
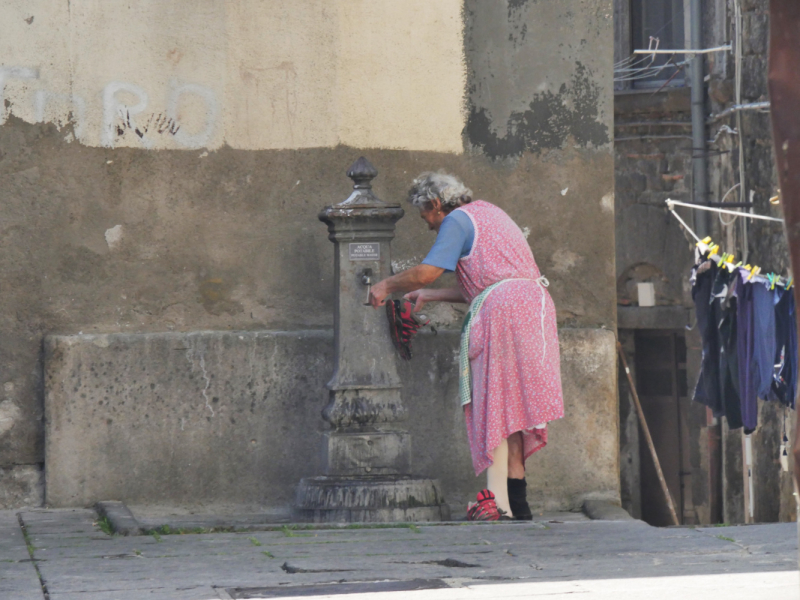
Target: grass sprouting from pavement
{"x":289,"y":531}
{"x":28,"y":542}
{"x":105,"y":525}
{"x":267,"y":553}
{"x":254,"y":541}
{"x":726,"y":538}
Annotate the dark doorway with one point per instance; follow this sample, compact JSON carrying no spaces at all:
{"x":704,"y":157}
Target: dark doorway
{"x":662,"y":386}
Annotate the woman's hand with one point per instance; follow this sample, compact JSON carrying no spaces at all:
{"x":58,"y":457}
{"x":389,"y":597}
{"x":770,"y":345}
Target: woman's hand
{"x":378,"y":293}
{"x":419,"y":297}
{"x":406,"y":281}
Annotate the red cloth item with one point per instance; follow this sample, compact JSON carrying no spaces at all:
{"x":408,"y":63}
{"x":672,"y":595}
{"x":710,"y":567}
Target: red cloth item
{"x":403,"y":325}
{"x":513,"y":346}
{"x":485,"y":509}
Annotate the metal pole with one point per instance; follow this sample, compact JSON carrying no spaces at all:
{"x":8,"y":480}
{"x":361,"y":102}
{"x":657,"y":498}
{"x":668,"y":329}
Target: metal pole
{"x":647,"y":437}
{"x":699,"y":163}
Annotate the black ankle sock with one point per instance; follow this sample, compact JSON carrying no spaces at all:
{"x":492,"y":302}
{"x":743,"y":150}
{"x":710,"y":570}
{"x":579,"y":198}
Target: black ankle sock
{"x":518,"y":499}
{"x":517,"y":485}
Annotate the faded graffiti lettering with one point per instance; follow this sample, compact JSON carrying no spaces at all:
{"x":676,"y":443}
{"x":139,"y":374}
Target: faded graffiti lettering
{"x":112,"y":109}
{"x":201,"y":138}
{"x":120,"y":113}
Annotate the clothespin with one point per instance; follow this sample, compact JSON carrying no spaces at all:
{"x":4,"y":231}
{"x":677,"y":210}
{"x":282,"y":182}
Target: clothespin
{"x":753,"y":273}
{"x":713,"y":250}
{"x":771,"y":279}
{"x":789,"y":282}
{"x":724,"y":257}
{"x":704,"y":244}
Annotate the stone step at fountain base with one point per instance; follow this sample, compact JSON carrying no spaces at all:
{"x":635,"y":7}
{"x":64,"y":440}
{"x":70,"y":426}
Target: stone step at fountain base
{"x":370,"y":500}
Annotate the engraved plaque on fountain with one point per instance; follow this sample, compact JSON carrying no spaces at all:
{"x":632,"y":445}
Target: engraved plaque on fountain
{"x":365,"y":251}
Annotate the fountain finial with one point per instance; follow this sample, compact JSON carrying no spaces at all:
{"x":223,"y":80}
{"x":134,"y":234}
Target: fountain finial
{"x":362,"y":172}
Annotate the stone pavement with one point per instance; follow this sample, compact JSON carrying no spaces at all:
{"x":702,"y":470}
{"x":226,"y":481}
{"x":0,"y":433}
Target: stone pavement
{"x":558,"y":556}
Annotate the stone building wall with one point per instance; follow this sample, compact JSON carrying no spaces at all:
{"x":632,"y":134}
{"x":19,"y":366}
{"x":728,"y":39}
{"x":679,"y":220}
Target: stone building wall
{"x":653,"y":162}
{"x":163,"y":164}
{"x":652,"y":247}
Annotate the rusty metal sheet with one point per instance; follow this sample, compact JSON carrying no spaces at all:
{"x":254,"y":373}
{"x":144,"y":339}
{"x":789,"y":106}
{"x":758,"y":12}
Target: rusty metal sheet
{"x":784,"y":91}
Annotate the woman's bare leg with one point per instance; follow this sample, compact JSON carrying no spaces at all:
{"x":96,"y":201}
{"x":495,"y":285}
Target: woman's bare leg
{"x":516,"y":460}
{"x":497,"y":477}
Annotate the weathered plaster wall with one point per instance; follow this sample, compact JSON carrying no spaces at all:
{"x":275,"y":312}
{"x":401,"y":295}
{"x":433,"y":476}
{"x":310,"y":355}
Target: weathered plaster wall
{"x":241,"y":73}
{"x":100,"y":239}
{"x":538,"y":91}
{"x":534,"y":99}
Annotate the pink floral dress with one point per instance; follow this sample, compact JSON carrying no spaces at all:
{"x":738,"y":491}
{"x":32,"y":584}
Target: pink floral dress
{"x":513,"y":345}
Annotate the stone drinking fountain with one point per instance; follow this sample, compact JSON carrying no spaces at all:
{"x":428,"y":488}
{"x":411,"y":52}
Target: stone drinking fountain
{"x":367,"y":451}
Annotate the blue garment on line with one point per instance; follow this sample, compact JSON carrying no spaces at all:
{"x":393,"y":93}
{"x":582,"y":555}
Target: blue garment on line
{"x":708,"y":383}
{"x":723,"y":303}
{"x":756,"y":346}
{"x":454,"y":241}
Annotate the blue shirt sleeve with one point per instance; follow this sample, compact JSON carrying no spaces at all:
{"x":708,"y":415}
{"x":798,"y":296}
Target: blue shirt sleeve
{"x":454,"y":241}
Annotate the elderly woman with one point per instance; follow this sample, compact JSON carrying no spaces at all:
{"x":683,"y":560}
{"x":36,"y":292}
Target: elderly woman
{"x":510,"y":371}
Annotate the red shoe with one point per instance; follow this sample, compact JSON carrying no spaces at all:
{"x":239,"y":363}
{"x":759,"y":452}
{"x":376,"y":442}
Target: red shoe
{"x":485,"y":509}
{"x":403,"y":325}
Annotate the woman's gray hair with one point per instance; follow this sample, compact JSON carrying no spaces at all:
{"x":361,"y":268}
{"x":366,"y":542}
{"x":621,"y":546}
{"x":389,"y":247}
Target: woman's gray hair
{"x":447,"y":188}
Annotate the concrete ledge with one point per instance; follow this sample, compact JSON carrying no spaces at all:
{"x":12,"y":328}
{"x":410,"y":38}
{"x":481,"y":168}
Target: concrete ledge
{"x":119,"y":517}
{"x":601,"y":510}
{"x":213,"y":418}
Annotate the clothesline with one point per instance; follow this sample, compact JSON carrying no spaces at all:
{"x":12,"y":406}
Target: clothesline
{"x":673,"y":203}
{"x":682,"y":222}
{"x":708,"y":246}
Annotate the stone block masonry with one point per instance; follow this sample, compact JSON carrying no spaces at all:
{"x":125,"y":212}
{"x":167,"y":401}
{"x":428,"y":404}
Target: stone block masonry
{"x":234,"y":418}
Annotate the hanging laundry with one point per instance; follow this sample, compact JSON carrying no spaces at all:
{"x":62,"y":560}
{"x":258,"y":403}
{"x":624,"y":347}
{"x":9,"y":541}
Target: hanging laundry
{"x":756,"y":345}
{"x":724,"y":296}
{"x":748,"y":326}
{"x":750,"y":345}
{"x":784,"y":379}
{"x":707,"y":389}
